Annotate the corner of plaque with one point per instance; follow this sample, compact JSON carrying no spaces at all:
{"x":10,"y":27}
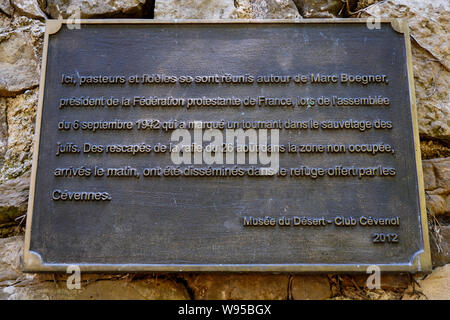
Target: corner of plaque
{"x":421,"y":262}
{"x":399,"y":25}
{"x":53,"y":25}
{"x":32,"y":261}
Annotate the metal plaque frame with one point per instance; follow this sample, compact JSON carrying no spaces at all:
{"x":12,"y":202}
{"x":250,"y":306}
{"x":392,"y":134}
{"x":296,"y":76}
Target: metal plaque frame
{"x":419,"y":262}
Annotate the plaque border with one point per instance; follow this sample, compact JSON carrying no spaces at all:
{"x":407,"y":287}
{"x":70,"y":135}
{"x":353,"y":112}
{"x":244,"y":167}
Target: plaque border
{"x":420,"y":262}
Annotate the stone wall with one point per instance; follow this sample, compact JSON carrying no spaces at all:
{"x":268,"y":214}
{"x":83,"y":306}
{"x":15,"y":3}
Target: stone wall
{"x":21,"y":35}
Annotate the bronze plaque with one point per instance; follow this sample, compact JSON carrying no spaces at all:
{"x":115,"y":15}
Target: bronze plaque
{"x":270,"y":146}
